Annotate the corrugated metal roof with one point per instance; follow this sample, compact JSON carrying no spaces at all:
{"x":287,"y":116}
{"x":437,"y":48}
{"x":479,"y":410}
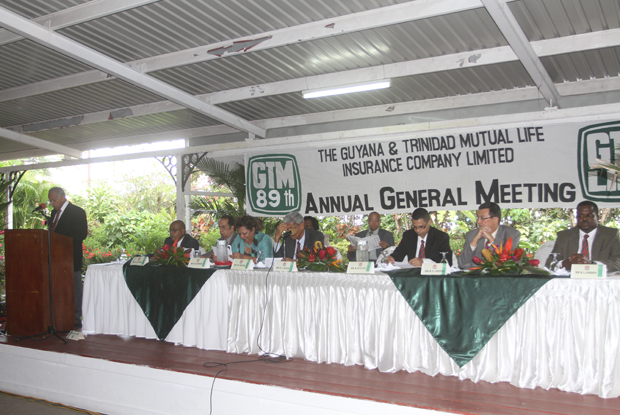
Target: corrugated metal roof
{"x":28,"y":69}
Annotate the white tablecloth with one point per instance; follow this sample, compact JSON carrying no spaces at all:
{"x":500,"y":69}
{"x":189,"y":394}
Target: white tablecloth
{"x":566,"y":336}
{"x":109,"y":308}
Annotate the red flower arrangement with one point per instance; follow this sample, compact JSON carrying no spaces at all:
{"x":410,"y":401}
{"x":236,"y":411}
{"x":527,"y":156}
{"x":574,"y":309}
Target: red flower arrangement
{"x":320,"y":259}
{"x":505,"y":260}
{"x":174,"y":255}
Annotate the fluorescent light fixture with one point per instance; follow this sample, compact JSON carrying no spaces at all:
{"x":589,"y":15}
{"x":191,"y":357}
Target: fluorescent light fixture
{"x":346,"y":89}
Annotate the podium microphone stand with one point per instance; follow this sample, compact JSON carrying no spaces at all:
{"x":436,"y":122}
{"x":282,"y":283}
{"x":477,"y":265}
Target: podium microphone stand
{"x":51,"y":329}
{"x":39,"y":290}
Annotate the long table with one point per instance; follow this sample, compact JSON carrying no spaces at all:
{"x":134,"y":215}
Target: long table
{"x":565,"y":336}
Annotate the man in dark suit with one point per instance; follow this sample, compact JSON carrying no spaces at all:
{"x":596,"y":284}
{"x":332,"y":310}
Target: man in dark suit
{"x":422,"y":242}
{"x":589,"y":242}
{"x":177,"y":233}
{"x":489,"y":232}
{"x":386,"y":238}
{"x":299,"y":238}
{"x":70,"y":220}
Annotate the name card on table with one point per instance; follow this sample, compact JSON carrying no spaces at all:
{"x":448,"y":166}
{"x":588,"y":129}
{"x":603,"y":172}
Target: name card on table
{"x":435,"y":269}
{"x":588,"y":271}
{"x":242,"y":264}
{"x":285,"y":266}
{"x":199,"y":263}
{"x":139,"y":260}
{"x":361,"y":268}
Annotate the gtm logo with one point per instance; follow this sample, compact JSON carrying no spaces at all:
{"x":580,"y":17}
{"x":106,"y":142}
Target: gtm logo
{"x":598,"y":142}
{"x":273,"y":184}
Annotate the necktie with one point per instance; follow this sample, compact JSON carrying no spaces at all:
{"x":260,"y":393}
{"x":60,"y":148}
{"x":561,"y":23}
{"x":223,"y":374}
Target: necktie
{"x":298,"y":249}
{"x":55,"y":220}
{"x":585,"y":249}
{"x":422,"y":250}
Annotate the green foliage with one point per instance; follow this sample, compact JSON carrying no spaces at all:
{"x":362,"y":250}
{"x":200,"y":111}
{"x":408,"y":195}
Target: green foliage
{"x":231,"y":177}
{"x":136,"y":230}
{"x":31,"y":190}
{"x":99,"y":203}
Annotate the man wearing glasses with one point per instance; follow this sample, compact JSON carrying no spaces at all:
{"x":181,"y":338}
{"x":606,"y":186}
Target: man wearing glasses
{"x":422,"y":242}
{"x":588,"y":242}
{"x":184,"y":240}
{"x":386,"y":237}
{"x":489,"y":232}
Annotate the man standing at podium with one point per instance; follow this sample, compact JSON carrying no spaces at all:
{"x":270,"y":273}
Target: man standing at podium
{"x":70,"y":220}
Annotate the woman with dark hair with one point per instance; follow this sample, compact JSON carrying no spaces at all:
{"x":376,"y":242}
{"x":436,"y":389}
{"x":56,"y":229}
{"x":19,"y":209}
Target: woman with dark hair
{"x":250,"y":241}
{"x":312,"y":223}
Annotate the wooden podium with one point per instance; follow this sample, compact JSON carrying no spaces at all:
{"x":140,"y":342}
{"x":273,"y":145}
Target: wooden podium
{"x":27,"y":282}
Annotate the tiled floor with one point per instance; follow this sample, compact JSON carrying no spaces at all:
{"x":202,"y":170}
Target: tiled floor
{"x":21,"y":405}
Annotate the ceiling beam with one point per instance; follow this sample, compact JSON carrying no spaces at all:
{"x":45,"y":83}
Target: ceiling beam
{"x":508,"y":25}
{"x":589,"y":114}
{"x":383,"y":16}
{"x":35,"y":142}
{"x":81,"y":13}
{"x":568,"y":44}
{"x":66,"y":46}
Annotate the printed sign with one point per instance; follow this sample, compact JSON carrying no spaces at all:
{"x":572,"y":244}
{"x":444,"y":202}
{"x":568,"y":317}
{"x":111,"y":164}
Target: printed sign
{"x":435,"y":269}
{"x":273,"y":184}
{"x":588,"y":271}
{"x":538,"y":165}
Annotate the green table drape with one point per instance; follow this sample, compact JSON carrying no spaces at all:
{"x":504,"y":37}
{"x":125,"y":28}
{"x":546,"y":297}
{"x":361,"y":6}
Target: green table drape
{"x":163,"y":293}
{"x":463,"y":312}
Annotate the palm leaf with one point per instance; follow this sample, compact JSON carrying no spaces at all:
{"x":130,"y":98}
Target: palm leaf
{"x":231,"y":176}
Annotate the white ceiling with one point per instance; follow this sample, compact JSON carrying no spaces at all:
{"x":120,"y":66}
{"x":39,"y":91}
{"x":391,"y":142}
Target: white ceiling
{"x":78,"y":75}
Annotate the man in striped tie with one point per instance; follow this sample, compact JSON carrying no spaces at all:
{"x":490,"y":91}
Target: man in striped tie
{"x":588,"y":242}
{"x":70,"y":220}
{"x":422,"y":243}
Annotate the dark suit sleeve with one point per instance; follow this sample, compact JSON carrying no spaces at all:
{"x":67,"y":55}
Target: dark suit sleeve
{"x":190,"y":243}
{"x":405,"y":246}
{"x":609,"y":254}
{"x":441,"y":244}
{"x":389,"y":238}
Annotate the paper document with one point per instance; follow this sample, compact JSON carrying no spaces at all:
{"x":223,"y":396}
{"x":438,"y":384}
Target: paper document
{"x":372,"y":241}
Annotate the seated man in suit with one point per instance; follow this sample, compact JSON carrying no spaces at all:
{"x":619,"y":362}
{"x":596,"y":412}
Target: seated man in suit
{"x":177,"y":233}
{"x":422,"y":242}
{"x":589,"y":242}
{"x":292,"y":237}
{"x":226,"y":225}
{"x":489,"y":232}
{"x":374,"y":228}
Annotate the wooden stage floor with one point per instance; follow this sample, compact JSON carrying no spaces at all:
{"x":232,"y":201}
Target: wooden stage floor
{"x":441,"y":393}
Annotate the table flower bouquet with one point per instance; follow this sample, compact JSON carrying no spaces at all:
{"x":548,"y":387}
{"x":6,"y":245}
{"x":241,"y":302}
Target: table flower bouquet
{"x":320,"y":259}
{"x":505,"y":260}
{"x":175,"y":256}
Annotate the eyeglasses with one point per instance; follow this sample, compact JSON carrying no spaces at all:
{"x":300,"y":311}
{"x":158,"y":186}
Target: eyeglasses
{"x":374,"y":220}
{"x":421,"y":227}
{"x":488,"y":217}
{"x":175,"y":230}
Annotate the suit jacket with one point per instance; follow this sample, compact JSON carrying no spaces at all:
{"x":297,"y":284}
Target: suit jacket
{"x":291,"y":244}
{"x":606,"y":247}
{"x":187,"y":242}
{"x":437,"y":241}
{"x":384,"y":235}
{"x":466,"y":259}
{"x":72,"y":223}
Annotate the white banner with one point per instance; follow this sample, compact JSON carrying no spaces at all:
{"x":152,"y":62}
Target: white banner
{"x":516,"y":167}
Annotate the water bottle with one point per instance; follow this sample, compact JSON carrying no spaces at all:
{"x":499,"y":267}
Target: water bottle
{"x":362,"y":251}
{"x":123,"y":257}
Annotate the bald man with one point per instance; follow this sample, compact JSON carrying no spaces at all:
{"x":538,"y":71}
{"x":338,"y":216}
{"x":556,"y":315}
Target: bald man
{"x":177,"y":233}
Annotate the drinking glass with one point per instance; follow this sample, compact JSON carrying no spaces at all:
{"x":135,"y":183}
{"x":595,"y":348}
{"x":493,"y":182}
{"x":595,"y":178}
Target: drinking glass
{"x":444,"y":260}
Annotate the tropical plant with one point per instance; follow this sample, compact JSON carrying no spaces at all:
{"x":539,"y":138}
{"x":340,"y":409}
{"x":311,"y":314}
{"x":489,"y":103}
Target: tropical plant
{"x":229,"y":176}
